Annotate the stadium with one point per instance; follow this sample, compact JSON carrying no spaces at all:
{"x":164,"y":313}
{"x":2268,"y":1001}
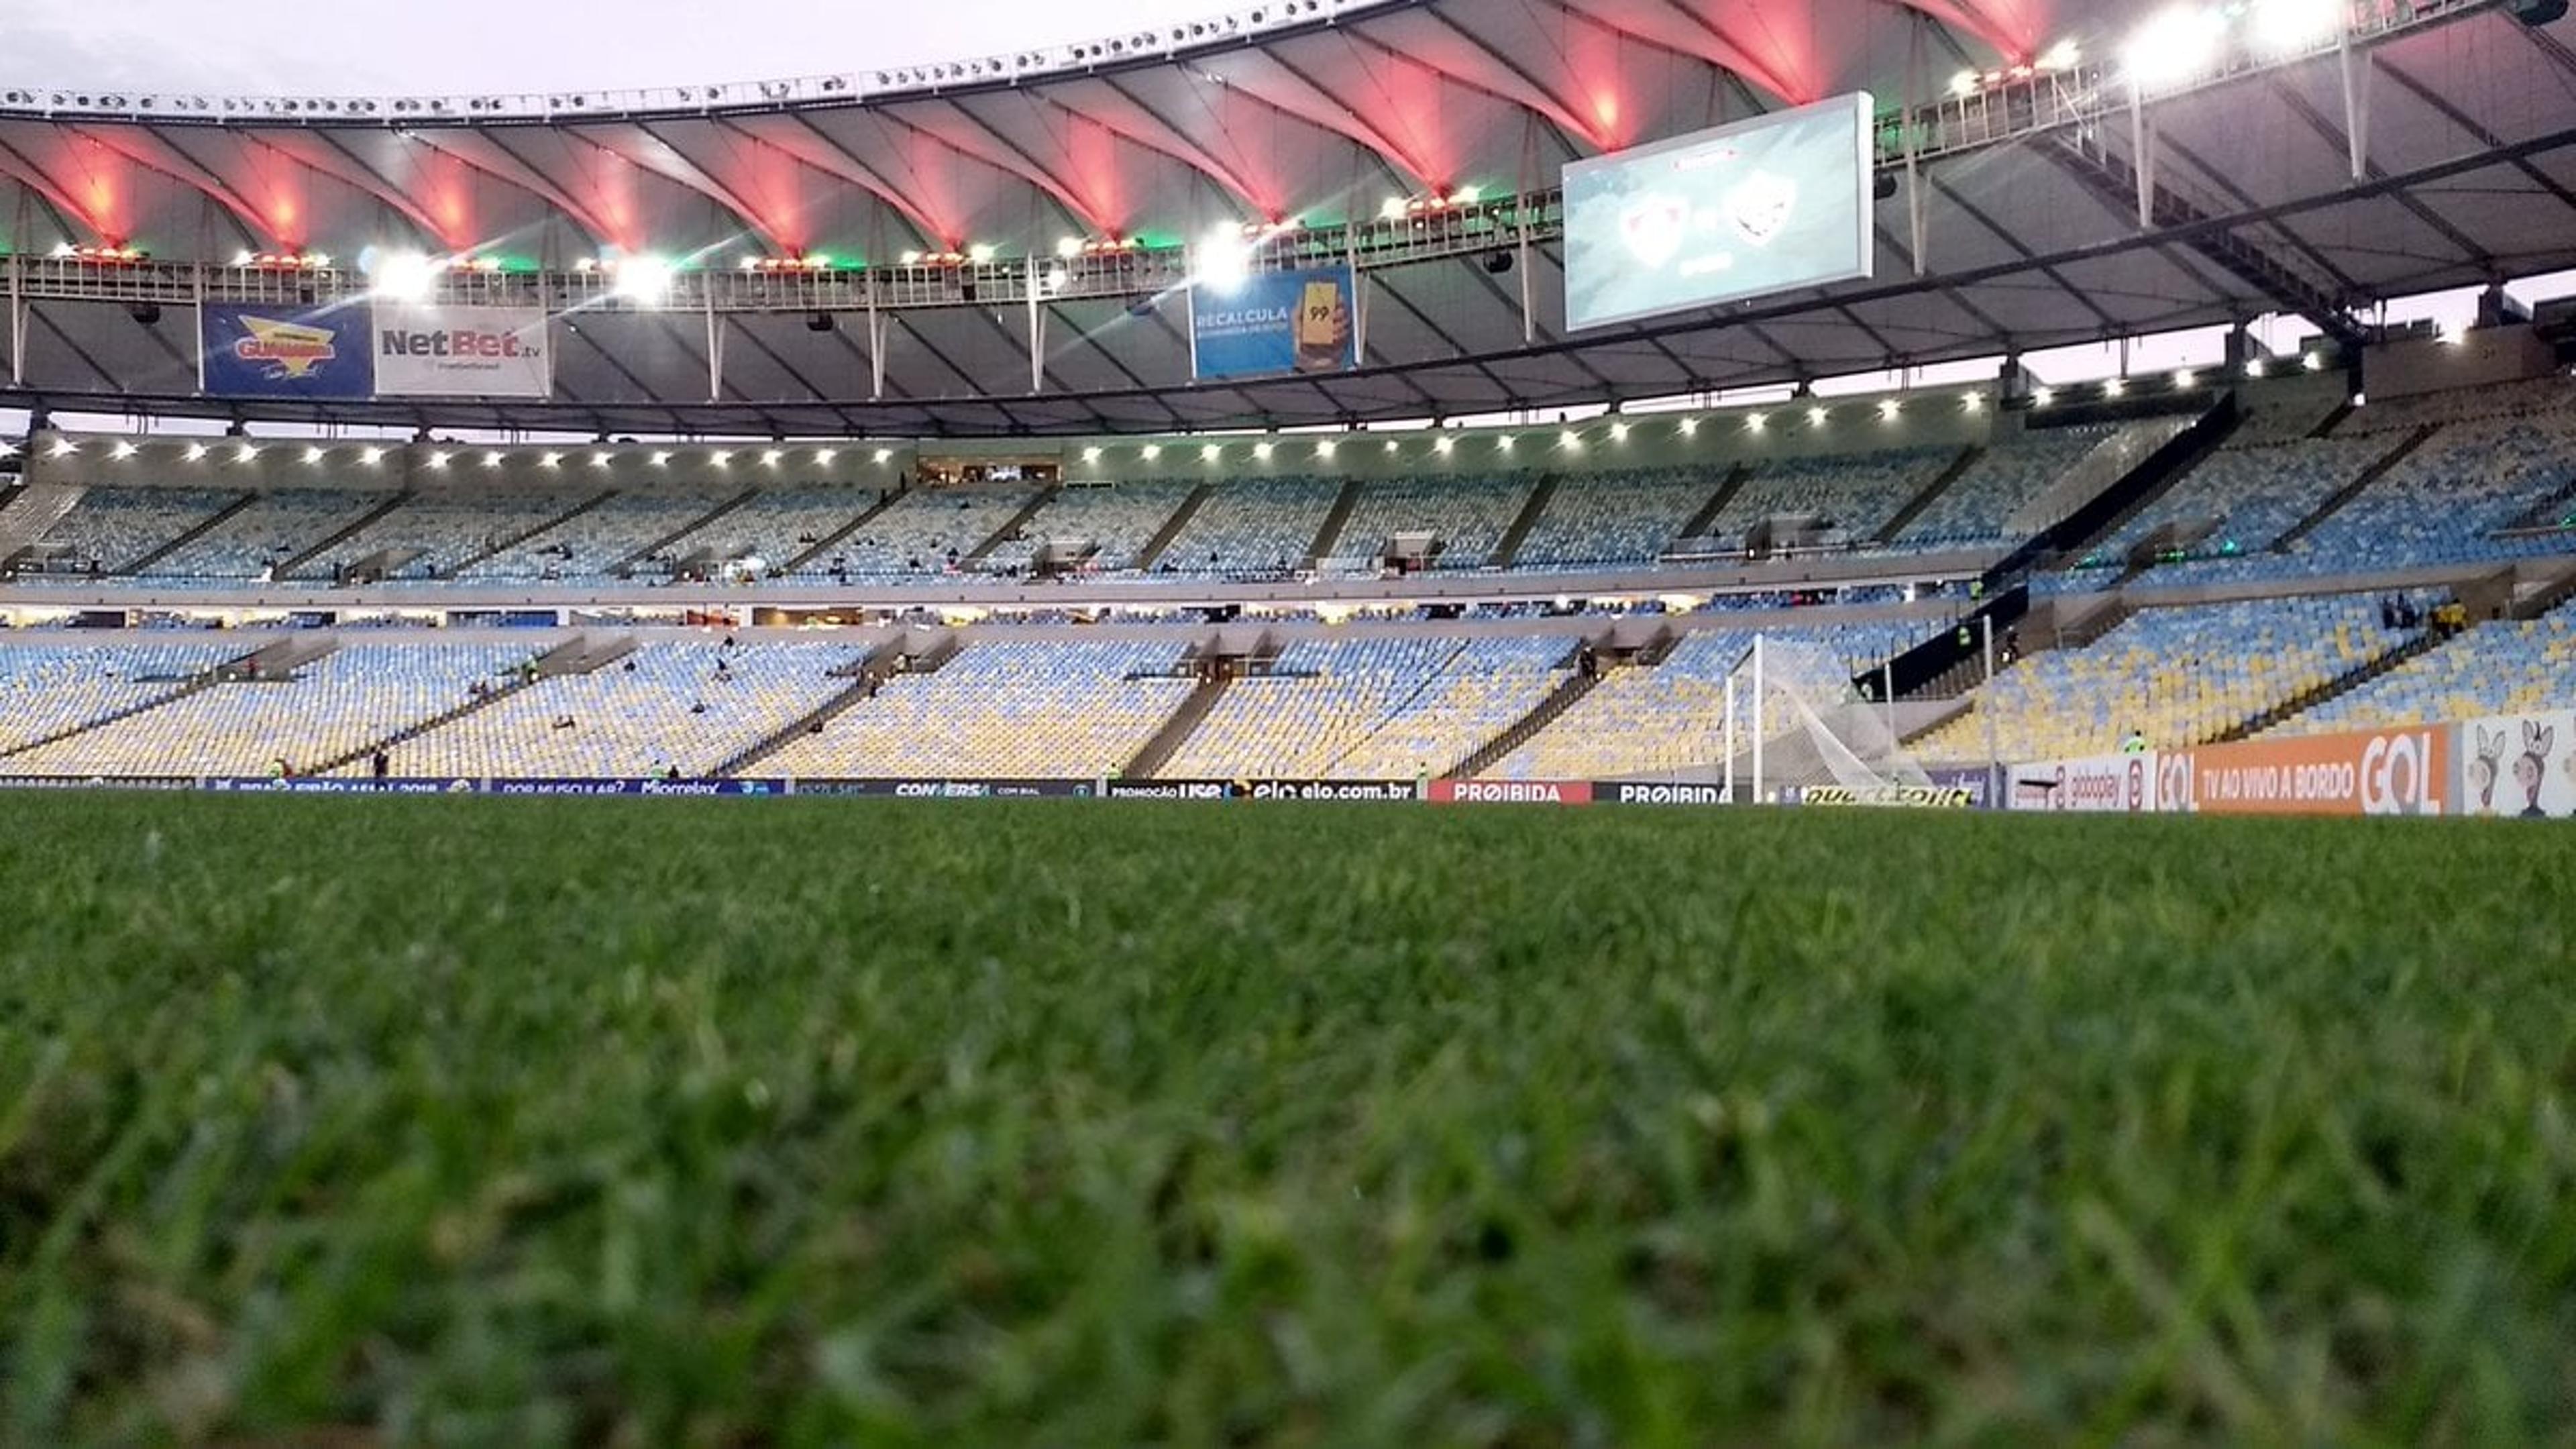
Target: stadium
{"x":1248,"y":638}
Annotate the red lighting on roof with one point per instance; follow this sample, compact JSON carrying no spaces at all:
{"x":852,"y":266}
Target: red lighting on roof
{"x":110,"y":255}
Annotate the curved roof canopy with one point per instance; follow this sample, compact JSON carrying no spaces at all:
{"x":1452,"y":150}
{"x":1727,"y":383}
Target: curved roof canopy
{"x":2018,"y":226}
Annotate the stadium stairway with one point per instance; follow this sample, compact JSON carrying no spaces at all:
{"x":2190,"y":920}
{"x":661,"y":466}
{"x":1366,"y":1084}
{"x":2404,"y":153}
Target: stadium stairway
{"x":917,"y":652}
{"x":580,"y":654}
{"x":1166,"y":742}
{"x":200,"y":529}
{"x":1509,"y":547}
{"x":2125,"y":495}
{"x":507,"y":686}
{"x":2422,"y":642}
{"x":1162,"y":539}
{"x":625,"y":567}
{"x":1329,"y":534}
{"x":494,"y":550}
{"x":1931,"y":494}
{"x":32,"y":510}
{"x":1010,"y":529}
{"x":832,"y":540}
{"x":1565,"y":696}
{"x":1715,"y":504}
{"x":340,"y":536}
{"x":272,"y":661}
{"x":2352,"y":490}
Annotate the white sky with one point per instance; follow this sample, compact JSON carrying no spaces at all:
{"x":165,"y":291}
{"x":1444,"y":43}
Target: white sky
{"x":407,"y":46}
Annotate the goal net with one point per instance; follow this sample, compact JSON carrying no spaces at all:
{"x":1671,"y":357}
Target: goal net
{"x":1795,"y":723}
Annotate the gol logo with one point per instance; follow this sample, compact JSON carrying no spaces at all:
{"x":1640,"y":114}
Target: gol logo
{"x":2397,"y":775}
{"x":2174,"y":781}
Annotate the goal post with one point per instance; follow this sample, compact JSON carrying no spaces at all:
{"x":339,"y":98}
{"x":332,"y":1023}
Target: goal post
{"x":1794,"y":721}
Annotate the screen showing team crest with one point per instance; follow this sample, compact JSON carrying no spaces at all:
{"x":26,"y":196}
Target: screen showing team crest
{"x":1760,"y":206}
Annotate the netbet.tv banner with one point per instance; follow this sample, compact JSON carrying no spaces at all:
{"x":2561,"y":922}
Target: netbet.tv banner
{"x":1273,"y":322}
{"x":1767,"y":205}
{"x":247,"y":350}
{"x":424,"y":351}
{"x":2365,"y":772}
{"x":2519,"y":765}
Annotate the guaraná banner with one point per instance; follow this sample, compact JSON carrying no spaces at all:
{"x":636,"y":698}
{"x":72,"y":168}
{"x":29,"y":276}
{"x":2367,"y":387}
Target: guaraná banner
{"x":1273,"y":322}
{"x":290,"y":351}
{"x":2519,"y":765}
{"x":424,"y":351}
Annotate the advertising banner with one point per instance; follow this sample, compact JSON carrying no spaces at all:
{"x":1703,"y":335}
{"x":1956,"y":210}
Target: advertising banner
{"x":1908,"y":797}
{"x":1766,"y":205}
{"x":2094,"y":782}
{"x":2519,"y":765}
{"x":425,"y":351}
{"x":2365,"y":772}
{"x":247,"y":350}
{"x":1324,"y":790}
{"x":635,"y":787}
{"x":1169,"y":790}
{"x":1273,"y":322}
{"x":332,"y":785}
{"x":896,"y":789}
{"x":1631,"y":792}
{"x":1511,"y":792}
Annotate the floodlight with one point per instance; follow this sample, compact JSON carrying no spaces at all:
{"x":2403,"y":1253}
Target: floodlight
{"x":403,"y":277}
{"x":1223,"y":260}
{"x":644,"y":280}
{"x":2174,"y":46}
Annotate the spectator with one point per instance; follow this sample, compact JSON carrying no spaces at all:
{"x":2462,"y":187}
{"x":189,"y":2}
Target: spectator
{"x":2135,"y":743}
{"x":383,"y":765}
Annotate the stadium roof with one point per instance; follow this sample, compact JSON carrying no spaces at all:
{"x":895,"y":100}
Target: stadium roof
{"x":2029,"y":231}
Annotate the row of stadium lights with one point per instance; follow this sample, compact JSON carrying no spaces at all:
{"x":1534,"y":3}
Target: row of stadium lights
{"x":2179,"y":43}
{"x":374,"y":456}
{"x":1570,"y":439}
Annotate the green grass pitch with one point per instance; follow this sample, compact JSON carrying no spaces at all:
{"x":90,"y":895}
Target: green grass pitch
{"x":494,"y":1122}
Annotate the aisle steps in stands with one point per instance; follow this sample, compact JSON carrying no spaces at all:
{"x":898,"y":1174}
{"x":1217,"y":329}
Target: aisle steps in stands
{"x":1156,"y":546}
{"x":1718,"y":497}
{"x":199,"y":530}
{"x":1930,"y":495}
{"x":35,"y":508}
{"x":340,"y":536}
{"x":1524,"y":522}
{"x":824,"y":545}
{"x":2348,"y":492}
{"x":625,"y":567}
{"x":2137,"y":483}
{"x":495,"y":550}
{"x":2422,"y":642}
{"x":925,"y":652}
{"x":1330,"y":534}
{"x":1010,"y":528}
{"x":1566,"y":695}
{"x":270,"y":661}
{"x":379,"y":564}
{"x":1175,"y":732}
{"x":503,"y":686}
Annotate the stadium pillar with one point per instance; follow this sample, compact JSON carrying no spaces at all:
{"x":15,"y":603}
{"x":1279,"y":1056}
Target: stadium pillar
{"x":1037,"y":331}
{"x":2141,"y":158}
{"x":715,"y":348}
{"x":17,"y":323}
{"x":876,"y":343}
{"x":2356,"y":103}
{"x":1359,"y":304}
{"x":1913,"y":140}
